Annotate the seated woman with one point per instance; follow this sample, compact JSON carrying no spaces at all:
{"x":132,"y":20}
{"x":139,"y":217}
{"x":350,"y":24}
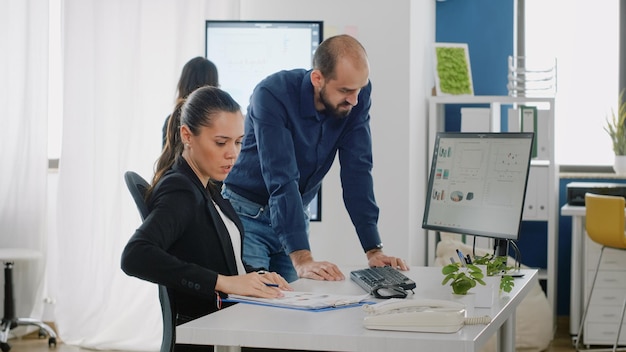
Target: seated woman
{"x":191,"y":241}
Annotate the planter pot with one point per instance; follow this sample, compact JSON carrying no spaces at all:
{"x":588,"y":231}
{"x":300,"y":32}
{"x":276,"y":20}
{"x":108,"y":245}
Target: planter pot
{"x":485,"y":295}
{"x":619,"y":165}
{"x":469,"y":300}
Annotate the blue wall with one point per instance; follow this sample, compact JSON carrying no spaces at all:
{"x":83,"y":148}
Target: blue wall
{"x":487,"y":28}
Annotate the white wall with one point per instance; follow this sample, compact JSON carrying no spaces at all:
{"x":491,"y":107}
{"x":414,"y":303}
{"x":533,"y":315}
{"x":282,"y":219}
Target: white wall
{"x":398,"y":37}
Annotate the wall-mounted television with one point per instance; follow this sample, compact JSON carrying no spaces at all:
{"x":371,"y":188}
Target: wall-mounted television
{"x":477,"y":185}
{"x":245,"y":52}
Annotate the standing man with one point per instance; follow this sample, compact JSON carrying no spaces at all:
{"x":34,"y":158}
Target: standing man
{"x":297,"y":122}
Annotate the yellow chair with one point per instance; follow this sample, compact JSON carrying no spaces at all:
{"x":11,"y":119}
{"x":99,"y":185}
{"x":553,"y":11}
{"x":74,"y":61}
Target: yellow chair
{"x":605,"y":226}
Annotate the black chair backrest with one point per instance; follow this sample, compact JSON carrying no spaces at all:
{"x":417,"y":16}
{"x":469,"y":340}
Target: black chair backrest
{"x":138,"y":186}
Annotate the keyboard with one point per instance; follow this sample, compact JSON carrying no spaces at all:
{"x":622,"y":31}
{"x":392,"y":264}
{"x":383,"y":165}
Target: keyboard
{"x":375,"y":277}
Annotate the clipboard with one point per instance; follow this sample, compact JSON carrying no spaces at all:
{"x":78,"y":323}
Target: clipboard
{"x":308,"y":301}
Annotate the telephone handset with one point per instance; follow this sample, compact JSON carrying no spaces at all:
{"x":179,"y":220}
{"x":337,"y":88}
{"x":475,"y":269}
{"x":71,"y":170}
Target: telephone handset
{"x":421,"y":315}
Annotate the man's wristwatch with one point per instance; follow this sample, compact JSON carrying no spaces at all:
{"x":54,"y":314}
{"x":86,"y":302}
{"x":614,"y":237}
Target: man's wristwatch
{"x":378,"y":246}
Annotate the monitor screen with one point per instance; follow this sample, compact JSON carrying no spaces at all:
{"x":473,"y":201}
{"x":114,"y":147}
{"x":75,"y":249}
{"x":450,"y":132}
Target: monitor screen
{"x":245,"y":52}
{"x":477,"y":183}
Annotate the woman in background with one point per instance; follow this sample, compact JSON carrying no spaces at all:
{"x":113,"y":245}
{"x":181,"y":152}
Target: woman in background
{"x":191,"y":241}
{"x":197,"y":72}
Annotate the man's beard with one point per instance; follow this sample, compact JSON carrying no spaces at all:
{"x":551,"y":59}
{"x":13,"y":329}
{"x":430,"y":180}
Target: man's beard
{"x":334,"y":111}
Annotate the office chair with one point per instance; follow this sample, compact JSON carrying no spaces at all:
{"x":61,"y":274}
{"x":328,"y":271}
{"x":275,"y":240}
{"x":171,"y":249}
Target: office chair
{"x":9,"y":321}
{"x":138,"y":186}
{"x":605,"y":226}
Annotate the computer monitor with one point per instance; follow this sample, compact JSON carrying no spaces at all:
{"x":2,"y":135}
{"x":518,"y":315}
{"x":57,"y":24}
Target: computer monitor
{"x":245,"y":52}
{"x":477,"y":185}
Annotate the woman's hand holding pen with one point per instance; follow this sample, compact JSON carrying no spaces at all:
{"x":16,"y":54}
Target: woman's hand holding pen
{"x":272,"y":279}
{"x":261,"y":284}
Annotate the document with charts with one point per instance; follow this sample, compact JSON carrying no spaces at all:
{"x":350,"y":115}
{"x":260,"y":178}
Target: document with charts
{"x":305,"y":300}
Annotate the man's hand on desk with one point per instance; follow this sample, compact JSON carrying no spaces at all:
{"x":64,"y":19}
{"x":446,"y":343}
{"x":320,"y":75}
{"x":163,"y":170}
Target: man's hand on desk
{"x":376,"y":257}
{"x":308,"y":268}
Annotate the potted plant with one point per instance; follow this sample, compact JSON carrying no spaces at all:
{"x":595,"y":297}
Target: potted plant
{"x":497,"y":266}
{"x":462,"y":277}
{"x":616,"y":128}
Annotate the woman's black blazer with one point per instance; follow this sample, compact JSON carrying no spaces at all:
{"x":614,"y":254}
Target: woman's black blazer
{"x":183,"y":243}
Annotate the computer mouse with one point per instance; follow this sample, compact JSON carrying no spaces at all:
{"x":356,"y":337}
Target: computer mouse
{"x":389,"y":292}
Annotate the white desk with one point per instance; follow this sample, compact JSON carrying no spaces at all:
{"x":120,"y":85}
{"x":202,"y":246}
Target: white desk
{"x":342,"y":330}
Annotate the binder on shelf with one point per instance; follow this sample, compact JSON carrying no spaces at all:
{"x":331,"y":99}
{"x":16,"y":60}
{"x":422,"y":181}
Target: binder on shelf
{"x":475,"y":119}
{"x":529,"y":124}
{"x":513,"y":120}
{"x":542,"y":130}
{"x":542,"y":133}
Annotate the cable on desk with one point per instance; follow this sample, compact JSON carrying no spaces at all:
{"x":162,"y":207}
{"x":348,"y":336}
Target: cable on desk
{"x":485,"y":319}
{"x":518,"y":256}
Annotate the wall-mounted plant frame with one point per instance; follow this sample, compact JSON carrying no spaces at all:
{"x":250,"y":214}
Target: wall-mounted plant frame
{"x":453,"y":73}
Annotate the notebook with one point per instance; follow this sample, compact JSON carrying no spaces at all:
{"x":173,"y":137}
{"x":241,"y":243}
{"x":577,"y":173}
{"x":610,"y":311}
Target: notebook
{"x":314,"y":301}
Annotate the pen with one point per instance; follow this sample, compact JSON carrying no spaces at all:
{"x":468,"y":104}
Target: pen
{"x":469,"y":259}
{"x":461,"y":257}
{"x":271,"y":285}
{"x":452,"y":260}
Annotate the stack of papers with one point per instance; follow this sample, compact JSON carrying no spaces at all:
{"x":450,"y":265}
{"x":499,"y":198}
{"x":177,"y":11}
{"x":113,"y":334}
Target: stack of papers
{"x":305,"y":300}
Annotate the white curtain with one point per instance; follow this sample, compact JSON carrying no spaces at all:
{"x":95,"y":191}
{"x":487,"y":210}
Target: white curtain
{"x":23,"y":116}
{"x":122,"y":59}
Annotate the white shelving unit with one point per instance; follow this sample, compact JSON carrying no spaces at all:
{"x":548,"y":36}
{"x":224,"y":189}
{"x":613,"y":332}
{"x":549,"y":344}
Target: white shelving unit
{"x":541,"y":203}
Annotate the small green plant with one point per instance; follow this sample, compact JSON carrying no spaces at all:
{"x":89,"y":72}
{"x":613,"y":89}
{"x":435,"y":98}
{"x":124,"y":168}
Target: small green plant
{"x":496,"y":266}
{"x":616,"y":126}
{"x":462,"y":279}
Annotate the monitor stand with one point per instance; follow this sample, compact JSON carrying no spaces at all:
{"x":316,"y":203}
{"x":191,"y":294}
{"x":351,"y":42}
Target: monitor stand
{"x":501,"y":247}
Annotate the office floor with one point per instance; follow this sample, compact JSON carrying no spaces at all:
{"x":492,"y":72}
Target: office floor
{"x":561,"y":343}
{"x":562,"y":340}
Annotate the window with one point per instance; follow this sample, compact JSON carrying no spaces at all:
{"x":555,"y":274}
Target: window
{"x":583,"y":35}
